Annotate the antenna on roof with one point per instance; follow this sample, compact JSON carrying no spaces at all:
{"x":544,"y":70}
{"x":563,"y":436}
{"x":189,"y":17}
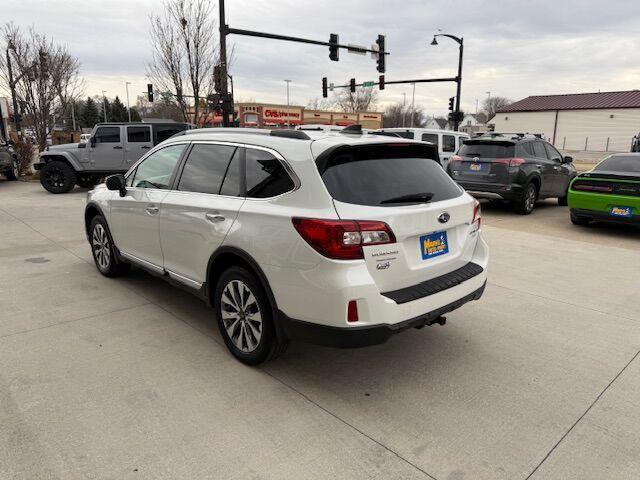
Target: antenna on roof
{"x":355,"y":129}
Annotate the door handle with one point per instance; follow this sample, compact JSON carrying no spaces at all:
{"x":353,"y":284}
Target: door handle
{"x":152,"y":209}
{"x":145,"y":147}
{"x":538,"y":165}
{"x":214,"y":217}
{"x":117,"y":147}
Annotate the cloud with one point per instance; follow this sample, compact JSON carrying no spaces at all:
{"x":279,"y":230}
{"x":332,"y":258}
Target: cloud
{"x":512,"y":48}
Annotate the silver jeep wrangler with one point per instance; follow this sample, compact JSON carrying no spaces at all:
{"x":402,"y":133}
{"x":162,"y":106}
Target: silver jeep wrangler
{"x":112,"y":148}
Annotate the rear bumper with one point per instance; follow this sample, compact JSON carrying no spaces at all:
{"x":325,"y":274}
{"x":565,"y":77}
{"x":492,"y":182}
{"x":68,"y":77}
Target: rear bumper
{"x":605,"y":217}
{"x":354,"y":337}
{"x":509,"y":191}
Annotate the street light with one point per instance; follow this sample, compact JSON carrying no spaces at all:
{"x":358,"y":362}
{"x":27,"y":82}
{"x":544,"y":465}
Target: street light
{"x":404,"y":111}
{"x":128,"y":107}
{"x":459,"y":41}
{"x":288,"y":82}
{"x":104,"y":105}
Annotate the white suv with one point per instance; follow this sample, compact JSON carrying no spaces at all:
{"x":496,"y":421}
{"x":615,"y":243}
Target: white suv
{"x":338,"y":239}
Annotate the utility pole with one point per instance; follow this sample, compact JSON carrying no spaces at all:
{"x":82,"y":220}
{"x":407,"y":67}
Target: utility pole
{"x":413,"y":104}
{"x":73,"y":114}
{"x":104,"y":105}
{"x":288,"y":82}
{"x":404,"y":111}
{"x":128,"y":106}
{"x":12,"y":87}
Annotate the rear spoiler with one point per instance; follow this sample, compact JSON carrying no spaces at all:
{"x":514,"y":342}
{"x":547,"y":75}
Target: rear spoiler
{"x":634,"y":177}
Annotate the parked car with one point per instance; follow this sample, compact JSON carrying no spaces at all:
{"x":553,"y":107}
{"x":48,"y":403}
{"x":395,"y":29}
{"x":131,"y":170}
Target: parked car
{"x":330,"y":238}
{"x":112,"y":148}
{"x":610,"y":192}
{"x":448,"y":141}
{"x":8,"y":161}
{"x":520,"y":169}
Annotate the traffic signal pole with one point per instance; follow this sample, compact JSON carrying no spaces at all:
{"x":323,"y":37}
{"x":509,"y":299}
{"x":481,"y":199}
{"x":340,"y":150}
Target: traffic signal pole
{"x":334,"y":46}
{"x":457,"y":120}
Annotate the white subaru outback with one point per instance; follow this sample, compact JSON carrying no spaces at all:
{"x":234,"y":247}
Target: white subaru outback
{"x":333,"y":238}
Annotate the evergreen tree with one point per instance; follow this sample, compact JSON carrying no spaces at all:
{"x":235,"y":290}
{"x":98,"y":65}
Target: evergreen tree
{"x":105,"y":104}
{"x":89,"y":115}
{"x":118,"y":111}
{"x":135,"y":116}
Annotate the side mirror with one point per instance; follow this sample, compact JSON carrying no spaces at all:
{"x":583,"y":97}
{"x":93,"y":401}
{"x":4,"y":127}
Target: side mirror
{"x":92,"y":140}
{"x":82,"y":145}
{"x":117,"y":182}
{"x":567,"y":159}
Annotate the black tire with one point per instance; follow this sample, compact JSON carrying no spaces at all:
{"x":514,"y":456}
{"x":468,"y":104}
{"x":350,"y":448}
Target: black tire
{"x":14,"y":173}
{"x":57,"y":177}
{"x":87,"y":181}
{"x":576,"y":220}
{"x":255,"y":315}
{"x":104,"y":252}
{"x":525,"y":204}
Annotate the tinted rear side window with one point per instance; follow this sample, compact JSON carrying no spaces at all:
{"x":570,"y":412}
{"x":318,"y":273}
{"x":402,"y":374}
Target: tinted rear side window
{"x":266,"y":177}
{"x":405,"y":134}
{"x":430,"y":137}
{"x":620,"y":163}
{"x":370,"y":175}
{"x":162,"y":132}
{"x":205,"y":168}
{"x":448,"y":143}
{"x":107,"y":135}
{"x":486,"y":150}
{"x":539,"y":150}
{"x":525,"y":149}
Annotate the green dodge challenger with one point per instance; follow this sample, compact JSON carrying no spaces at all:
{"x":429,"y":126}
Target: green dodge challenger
{"x":608,"y":193}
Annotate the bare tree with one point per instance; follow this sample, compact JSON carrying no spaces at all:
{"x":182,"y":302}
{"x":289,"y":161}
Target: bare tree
{"x":184,"y":54}
{"x":491,"y":105}
{"x":395,"y":115}
{"x":363,"y":99}
{"x":46,"y":76}
{"x":321,"y":104}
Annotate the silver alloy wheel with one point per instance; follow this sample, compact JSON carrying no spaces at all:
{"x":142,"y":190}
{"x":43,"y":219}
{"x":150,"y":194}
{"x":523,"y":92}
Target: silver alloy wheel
{"x":530,"y":200}
{"x":101,"y":247}
{"x":241,"y":316}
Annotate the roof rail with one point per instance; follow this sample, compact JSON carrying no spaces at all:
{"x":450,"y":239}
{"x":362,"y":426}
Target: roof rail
{"x":354,"y":129}
{"x":297,"y":134}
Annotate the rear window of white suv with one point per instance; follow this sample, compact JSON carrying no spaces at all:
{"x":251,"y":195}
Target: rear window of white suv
{"x":384,"y":174}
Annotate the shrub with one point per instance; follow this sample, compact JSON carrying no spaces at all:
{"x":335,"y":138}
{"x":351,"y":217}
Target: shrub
{"x":24,"y":152}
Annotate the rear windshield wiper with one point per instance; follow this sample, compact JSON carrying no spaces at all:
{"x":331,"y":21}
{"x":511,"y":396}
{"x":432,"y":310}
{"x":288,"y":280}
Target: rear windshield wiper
{"x":412,"y":197}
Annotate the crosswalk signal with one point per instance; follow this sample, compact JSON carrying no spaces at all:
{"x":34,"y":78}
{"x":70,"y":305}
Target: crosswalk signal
{"x":352,"y":85}
{"x":381,"y":82}
{"x":150,"y":92}
{"x":333,"y":47}
{"x":451,"y":103}
{"x":381,"y":54}
{"x":324,"y":87}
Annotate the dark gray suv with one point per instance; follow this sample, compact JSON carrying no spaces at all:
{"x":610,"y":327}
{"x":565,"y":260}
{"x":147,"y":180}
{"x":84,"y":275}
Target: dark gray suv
{"x":517,"y":168}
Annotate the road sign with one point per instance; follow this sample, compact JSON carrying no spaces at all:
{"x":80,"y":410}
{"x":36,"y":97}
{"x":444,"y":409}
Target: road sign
{"x":357,"y":49}
{"x":368,"y":84}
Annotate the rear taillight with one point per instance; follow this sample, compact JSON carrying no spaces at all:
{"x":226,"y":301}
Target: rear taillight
{"x":512,"y":162}
{"x":476,"y":219}
{"x":591,"y":188}
{"x":455,"y":158}
{"x":342,"y":239}
{"x":352,"y":311}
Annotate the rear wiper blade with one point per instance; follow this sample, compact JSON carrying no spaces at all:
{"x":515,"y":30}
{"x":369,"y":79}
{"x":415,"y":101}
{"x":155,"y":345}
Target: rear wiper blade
{"x":412,"y":197}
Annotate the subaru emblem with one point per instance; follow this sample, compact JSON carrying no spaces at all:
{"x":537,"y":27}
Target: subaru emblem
{"x":444,"y":217}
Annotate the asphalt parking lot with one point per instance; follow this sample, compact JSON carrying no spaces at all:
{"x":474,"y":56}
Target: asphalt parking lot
{"x":128,"y":378}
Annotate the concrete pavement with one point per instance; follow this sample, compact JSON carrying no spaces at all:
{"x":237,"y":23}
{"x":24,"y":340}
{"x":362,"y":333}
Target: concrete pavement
{"x":128,"y":378}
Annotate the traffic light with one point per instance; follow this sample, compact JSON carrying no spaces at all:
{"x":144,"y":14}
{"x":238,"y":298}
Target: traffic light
{"x":451,"y":103}
{"x":150,"y":92}
{"x":352,"y":85}
{"x":381,"y":55}
{"x":381,"y":82}
{"x":324,"y":87}
{"x":217,"y":78}
{"x":333,"y":48}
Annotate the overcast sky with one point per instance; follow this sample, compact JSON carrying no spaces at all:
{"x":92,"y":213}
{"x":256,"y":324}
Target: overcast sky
{"x":512,"y":48}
